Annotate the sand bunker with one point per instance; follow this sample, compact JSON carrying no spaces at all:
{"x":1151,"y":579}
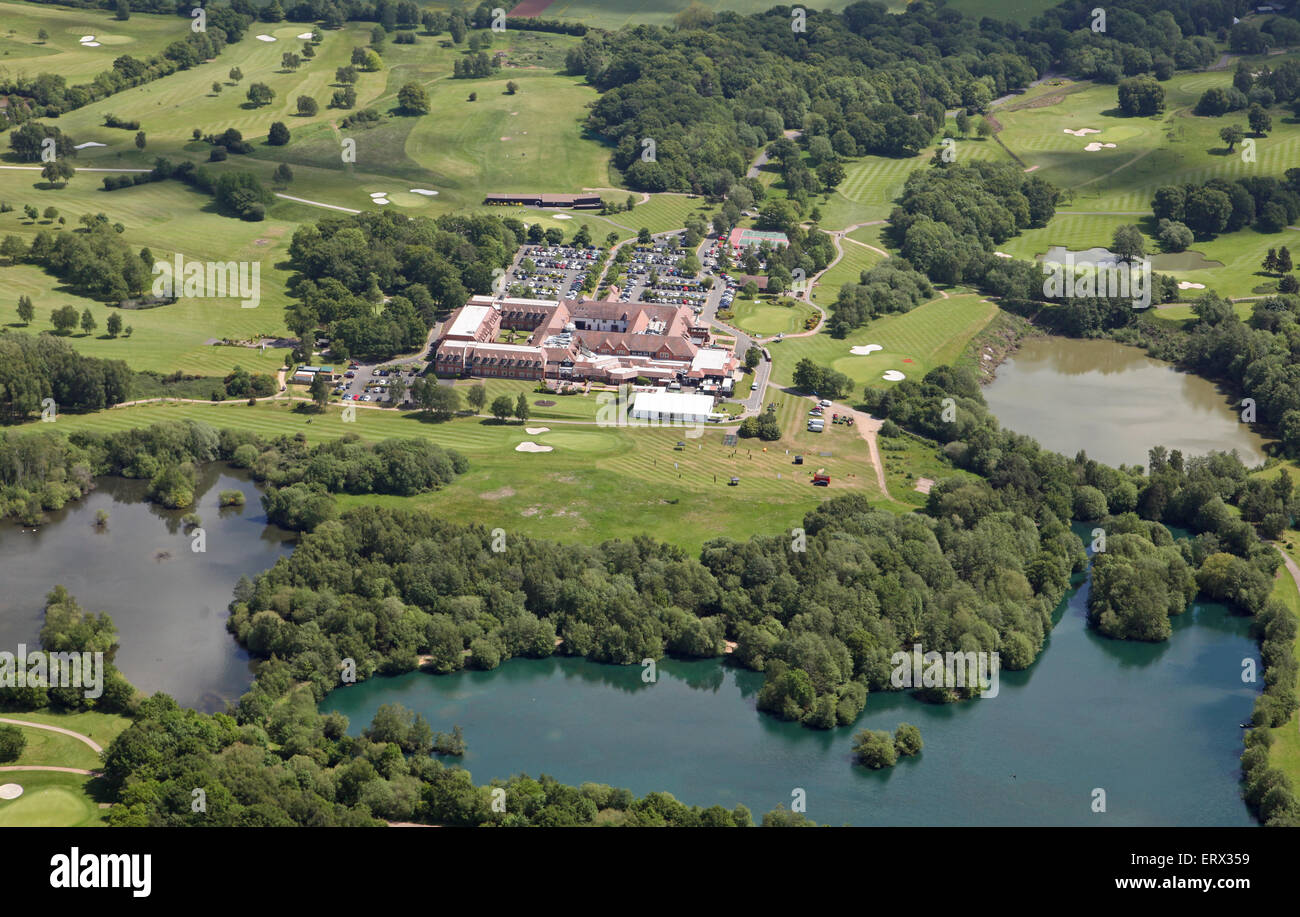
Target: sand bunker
{"x":533,"y":431}
{"x":86,"y":38}
{"x":82,"y":146}
{"x":863,"y":350}
{"x":380,"y":200}
{"x":1002,"y":254}
{"x":562,"y":216}
{"x":379,"y":194}
{"x":90,"y":44}
{"x":531,"y":447}
{"x":265,"y":38}
{"x":1095,"y":146}
{"x":893,"y":375}
{"x":10,"y":791}
{"x":425,"y":191}
{"x":1188,"y":285}
{"x":304,"y":35}
{"x":923,"y":485}
{"x":1083,"y":131}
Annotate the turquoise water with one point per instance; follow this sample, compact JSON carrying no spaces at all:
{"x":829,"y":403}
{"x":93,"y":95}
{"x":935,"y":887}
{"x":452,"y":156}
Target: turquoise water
{"x":1155,"y":726}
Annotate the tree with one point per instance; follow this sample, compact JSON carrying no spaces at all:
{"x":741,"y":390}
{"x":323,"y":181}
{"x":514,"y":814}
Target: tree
{"x":140,"y":140}
{"x":1174,"y":236}
{"x":963,"y":122}
{"x":12,"y":743}
{"x":1270,"y":261}
{"x":290,"y":61}
{"x":1141,"y":96}
{"x":412,"y":99}
{"x":283,"y":174}
{"x":985,"y":129}
{"x":260,"y":94}
{"x":320,"y":391}
{"x":511,"y":87}
{"x":521,"y":406}
{"x":477,"y":398}
{"x":64,"y":319}
{"x":1288,"y":284}
{"x":58,"y":171}
{"x":1261,"y":122}
{"x":907,"y":739}
{"x":1128,"y":243}
{"x":26,"y":311}
{"x":88,"y":323}
{"x":1284,"y":259}
{"x":278,"y":135}
{"x":1232,"y":135}
{"x":114,"y":324}
{"x":473,"y":96}
{"x":502,"y":407}
{"x":236,"y":74}
{"x":50,"y":213}
{"x":875,"y":749}
{"x":1207,"y":211}
{"x":306,"y":106}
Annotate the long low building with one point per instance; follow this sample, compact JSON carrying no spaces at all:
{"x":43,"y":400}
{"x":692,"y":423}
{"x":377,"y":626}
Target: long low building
{"x":529,"y":199}
{"x":662,"y":406}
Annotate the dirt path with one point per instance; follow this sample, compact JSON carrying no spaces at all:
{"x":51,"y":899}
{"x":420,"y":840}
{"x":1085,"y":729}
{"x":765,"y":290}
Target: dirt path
{"x":1291,"y":566}
{"x":86,"y":169}
{"x":868,"y":427}
{"x":303,"y":200}
{"x":59,"y":729}
{"x":46,"y":767}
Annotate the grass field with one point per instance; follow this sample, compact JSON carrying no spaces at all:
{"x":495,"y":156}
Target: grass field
{"x":764,"y":317}
{"x":849,"y":268}
{"x":932,"y":334}
{"x":23,"y":53}
{"x":50,"y":800}
{"x":598,"y":483}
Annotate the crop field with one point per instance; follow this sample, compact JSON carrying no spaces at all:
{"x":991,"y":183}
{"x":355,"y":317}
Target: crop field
{"x":913,"y":343}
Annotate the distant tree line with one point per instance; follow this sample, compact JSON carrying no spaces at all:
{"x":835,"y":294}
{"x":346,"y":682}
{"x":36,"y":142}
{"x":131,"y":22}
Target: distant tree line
{"x":36,"y":367}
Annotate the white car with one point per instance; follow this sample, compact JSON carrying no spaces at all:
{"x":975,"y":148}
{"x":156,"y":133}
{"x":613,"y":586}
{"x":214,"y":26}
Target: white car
{"x":825,"y":402}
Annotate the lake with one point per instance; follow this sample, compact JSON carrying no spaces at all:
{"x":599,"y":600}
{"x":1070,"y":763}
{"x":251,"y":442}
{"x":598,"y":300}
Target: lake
{"x":1114,"y":402}
{"x":1155,"y":726}
{"x":170,"y":611}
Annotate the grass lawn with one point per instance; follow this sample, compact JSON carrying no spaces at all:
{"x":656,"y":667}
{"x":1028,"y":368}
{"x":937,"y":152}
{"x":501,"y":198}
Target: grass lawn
{"x":22,"y":51}
{"x":1285,"y":752}
{"x":848,"y":269}
{"x":50,"y":800}
{"x":100,"y":727}
{"x":764,"y":317}
{"x":932,"y":334}
{"x":598,"y":483}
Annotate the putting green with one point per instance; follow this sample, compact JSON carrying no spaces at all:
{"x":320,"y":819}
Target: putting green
{"x":49,"y":800}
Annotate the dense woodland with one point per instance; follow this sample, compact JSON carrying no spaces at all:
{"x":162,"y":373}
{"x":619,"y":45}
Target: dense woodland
{"x":346,"y":265}
{"x":36,"y":367}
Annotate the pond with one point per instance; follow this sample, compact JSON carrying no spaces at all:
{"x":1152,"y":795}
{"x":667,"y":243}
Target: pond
{"x":1155,"y":726}
{"x":1114,"y":402}
{"x":168,"y":602}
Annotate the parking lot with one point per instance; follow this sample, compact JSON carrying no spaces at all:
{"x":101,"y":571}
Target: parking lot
{"x":551,"y":271}
{"x":370,"y":383}
{"x":672,"y":284}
